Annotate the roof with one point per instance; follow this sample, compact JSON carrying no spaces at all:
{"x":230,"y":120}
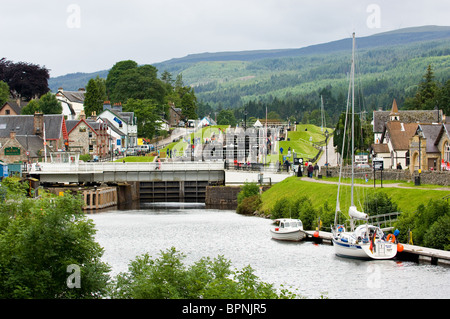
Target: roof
{"x":73,"y":96}
{"x":380,"y":148}
{"x":24,"y":125}
{"x":431,"y":134}
{"x":13,"y":105}
{"x":400,"y":134}
{"x":394,"y":110}
{"x":380,"y":118}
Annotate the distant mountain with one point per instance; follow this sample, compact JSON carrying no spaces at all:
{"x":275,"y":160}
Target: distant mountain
{"x":390,"y":65}
{"x":397,"y":37}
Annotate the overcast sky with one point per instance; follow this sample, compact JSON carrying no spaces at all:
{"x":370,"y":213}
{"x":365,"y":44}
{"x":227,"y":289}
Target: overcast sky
{"x":68,"y":36}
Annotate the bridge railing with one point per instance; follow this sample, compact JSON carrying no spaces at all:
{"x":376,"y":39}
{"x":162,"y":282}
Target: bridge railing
{"x":73,"y":168}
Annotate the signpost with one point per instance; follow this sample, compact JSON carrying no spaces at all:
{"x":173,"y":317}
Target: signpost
{"x":377,"y":166}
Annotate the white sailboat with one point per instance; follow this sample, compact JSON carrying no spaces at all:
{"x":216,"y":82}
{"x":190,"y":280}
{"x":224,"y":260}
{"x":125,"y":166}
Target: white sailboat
{"x":366,"y":241}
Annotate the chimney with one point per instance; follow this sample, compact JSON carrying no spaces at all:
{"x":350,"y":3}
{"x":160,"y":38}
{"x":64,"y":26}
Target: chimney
{"x":61,"y":89}
{"x":106,"y":105}
{"x":81,"y":90}
{"x":117,"y":107}
{"x":82,"y":115}
{"x":94,"y":115}
{"x":38,"y":124}
{"x":12,"y":135}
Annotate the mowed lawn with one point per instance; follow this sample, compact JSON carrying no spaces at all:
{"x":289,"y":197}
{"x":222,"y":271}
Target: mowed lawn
{"x":301,"y":142}
{"x":407,"y":199}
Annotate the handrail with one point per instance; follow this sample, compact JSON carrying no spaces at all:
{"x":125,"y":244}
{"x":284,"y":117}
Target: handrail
{"x":72,"y":168}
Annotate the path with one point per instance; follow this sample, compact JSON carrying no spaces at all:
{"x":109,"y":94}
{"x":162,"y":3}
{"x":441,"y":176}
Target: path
{"x":332,"y":155}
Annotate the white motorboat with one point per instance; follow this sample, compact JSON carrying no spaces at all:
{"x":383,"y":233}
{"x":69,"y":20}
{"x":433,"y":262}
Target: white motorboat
{"x":288,"y":229}
{"x":366,"y":241}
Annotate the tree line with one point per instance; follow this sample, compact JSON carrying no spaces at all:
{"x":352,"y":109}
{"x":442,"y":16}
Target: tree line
{"x":48,"y":251}
{"x":139,"y":90}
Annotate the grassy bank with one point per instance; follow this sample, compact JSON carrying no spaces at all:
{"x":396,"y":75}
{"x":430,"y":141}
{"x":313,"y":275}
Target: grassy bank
{"x":407,"y":199}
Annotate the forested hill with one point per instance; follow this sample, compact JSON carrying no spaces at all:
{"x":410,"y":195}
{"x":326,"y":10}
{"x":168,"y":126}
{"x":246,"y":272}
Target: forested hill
{"x":398,"y":37}
{"x":389,"y":65}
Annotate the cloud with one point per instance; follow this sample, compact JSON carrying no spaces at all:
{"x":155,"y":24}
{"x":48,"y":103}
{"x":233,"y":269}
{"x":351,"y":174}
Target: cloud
{"x":77,"y":35}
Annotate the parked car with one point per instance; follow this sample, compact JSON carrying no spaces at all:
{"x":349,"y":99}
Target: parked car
{"x":131,"y":151}
{"x":363,"y":166}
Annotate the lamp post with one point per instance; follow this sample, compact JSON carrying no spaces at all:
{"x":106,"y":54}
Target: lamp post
{"x":326,"y":151}
{"x":420,"y":134}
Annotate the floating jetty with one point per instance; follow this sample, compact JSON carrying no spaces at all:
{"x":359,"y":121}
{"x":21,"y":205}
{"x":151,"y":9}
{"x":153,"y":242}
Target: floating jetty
{"x":410,"y":252}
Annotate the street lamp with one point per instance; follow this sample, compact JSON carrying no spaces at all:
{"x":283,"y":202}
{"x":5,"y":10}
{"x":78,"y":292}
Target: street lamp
{"x":326,"y":150}
{"x":420,"y":134}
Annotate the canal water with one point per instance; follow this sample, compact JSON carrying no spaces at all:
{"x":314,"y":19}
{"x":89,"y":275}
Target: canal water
{"x":311,"y":270}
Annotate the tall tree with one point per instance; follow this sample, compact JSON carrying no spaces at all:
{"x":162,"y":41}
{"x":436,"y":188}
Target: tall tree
{"x":147,"y":114}
{"x":49,"y":104}
{"x":4,"y":92}
{"x":426,"y":95}
{"x":95,"y":96}
{"x":25,"y":80}
{"x":114,"y":74}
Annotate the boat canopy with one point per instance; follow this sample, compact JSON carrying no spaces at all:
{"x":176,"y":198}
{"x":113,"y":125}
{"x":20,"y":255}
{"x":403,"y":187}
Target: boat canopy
{"x":355,"y":214}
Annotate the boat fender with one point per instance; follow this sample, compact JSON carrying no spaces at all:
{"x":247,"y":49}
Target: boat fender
{"x":399,"y":247}
{"x":340,"y":228}
{"x":391,"y":238}
{"x":396,"y":233}
{"x":277,"y":229}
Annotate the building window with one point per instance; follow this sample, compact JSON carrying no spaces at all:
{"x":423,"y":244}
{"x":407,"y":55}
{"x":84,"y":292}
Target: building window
{"x":447,"y":152}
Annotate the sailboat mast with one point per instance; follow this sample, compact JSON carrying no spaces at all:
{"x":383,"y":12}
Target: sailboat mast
{"x":353,"y":114}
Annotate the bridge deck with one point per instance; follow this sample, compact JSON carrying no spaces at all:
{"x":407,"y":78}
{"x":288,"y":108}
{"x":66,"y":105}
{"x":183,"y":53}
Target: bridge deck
{"x":212,"y":172}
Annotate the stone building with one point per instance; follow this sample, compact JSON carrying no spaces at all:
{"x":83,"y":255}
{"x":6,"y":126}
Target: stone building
{"x":414,"y":139}
{"x":24,"y":137}
{"x":10,"y":108}
{"x":87,"y":136}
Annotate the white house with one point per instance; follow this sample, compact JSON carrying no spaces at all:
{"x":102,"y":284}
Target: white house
{"x":123,"y":122}
{"x":72,"y":102}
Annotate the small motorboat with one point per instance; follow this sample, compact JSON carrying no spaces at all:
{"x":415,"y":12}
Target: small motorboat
{"x":288,"y":229}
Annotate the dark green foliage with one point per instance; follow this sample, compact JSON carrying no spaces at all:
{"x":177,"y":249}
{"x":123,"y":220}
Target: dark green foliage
{"x":95,"y":96}
{"x":39,"y":239}
{"x":249,"y":205}
{"x":379,"y":203}
{"x":167,"y":277}
{"x":249,"y":199}
{"x":429,"y":225}
{"x":247,"y":190}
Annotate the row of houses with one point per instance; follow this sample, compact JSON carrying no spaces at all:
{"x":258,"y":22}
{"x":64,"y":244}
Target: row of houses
{"x":414,"y":140}
{"x":28,"y":138}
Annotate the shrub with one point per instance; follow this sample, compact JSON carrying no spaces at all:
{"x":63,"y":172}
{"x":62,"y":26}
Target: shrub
{"x":379,"y":203}
{"x":249,"y":189}
{"x":167,"y":277}
{"x":249,"y":205}
{"x":282,"y":209}
{"x":438,"y":236}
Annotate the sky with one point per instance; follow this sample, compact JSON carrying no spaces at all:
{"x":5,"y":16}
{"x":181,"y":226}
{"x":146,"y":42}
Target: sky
{"x":69,"y":36}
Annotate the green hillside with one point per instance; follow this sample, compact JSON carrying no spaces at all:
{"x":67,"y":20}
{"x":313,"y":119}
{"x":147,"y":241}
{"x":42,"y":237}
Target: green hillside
{"x":389,"y":65}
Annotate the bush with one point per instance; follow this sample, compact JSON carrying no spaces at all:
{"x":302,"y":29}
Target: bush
{"x":39,"y":239}
{"x":438,"y":236}
{"x":167,"y":277}
{"x":429,"y":225}
{"x":379,"y":203}
{"x":306,"y":213}
{"x":248,"y":190}
{"x":282,"y":209}
{"x":249,"y":205}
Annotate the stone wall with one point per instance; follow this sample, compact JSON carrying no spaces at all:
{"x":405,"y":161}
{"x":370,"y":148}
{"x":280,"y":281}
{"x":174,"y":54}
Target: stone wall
{"x":426,"y":177}
{"x":222,"y":197}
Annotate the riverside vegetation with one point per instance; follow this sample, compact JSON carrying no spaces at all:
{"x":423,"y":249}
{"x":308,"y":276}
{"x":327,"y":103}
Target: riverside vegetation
{"x":40,"y":238}
{"x":424,"y":212}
